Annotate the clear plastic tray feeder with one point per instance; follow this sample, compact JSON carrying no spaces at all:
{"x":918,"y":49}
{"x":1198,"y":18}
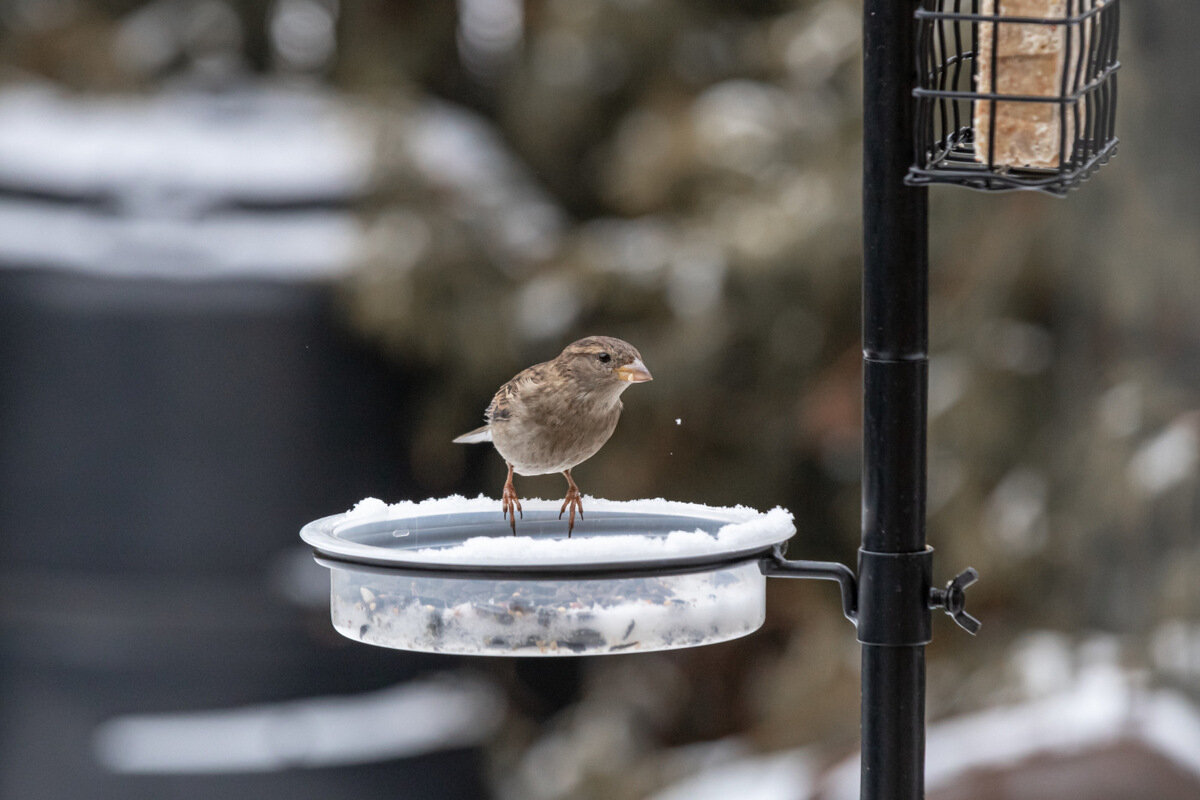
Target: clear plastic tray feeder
{"x":1014,"y":94}
{"x":449,"y":576}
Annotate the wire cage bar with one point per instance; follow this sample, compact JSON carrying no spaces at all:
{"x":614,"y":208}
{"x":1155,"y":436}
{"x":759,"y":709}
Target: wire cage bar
{"x":1015,"y":94}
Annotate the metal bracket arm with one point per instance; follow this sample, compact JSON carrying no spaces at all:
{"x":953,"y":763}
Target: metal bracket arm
{"x":888,"y":573}
{"x":776,"y":566}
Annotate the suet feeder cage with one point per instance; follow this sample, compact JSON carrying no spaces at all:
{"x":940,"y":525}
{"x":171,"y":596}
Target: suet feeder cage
{"x":1014,"y":94}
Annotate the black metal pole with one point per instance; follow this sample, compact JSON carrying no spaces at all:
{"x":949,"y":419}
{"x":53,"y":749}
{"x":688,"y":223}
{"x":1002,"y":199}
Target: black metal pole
{"x":894,"y":564}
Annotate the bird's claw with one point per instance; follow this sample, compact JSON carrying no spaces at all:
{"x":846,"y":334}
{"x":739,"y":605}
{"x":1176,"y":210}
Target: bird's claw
{"x":574,"y":502}
{"x":510,"y":505}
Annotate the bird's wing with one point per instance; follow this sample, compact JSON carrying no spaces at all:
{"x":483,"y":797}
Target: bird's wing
{"x":500,"y":409}
{"x":508,"y":398}
{"x":480,"y":434}
{"x":513,"y":396}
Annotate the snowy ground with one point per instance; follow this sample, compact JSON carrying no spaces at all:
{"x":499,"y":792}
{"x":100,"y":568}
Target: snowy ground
{"x":1071,"y":709}
{"x":172,"y":185}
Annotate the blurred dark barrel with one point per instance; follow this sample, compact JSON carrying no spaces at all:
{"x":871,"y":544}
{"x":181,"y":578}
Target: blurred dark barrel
{"x":162,"y":439}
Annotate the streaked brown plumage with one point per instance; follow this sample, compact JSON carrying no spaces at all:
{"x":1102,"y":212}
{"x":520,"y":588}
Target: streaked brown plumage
{"x":555,"y":415}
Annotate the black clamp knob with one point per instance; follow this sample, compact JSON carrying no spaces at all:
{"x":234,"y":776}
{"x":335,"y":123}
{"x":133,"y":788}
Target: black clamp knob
{"x":954,"y":599}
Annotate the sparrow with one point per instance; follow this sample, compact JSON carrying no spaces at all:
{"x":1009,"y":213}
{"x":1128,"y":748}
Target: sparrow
{"x":555,"y":415}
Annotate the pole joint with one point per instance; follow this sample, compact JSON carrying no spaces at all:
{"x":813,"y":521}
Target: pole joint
{"x":893,"y":598}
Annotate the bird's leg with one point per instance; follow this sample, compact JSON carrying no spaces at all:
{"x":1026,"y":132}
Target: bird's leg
{"x":574,"y":502}
{"x":510,"y":504}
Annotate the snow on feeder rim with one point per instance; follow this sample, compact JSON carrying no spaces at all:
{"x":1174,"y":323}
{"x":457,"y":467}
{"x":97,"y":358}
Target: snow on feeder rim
{"x":446,"y":575}
{"x":468,"y":533}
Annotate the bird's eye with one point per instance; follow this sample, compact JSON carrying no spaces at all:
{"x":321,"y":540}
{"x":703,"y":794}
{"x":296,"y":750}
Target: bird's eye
{"x":604,"y":358}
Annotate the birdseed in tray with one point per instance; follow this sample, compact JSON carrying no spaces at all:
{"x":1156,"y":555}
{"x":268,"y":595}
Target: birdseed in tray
{"x":547,"y":617}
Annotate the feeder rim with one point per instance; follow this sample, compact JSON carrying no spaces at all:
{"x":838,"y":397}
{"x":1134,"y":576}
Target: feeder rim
{"x":668,"y":536}
{"x":646,"y":568}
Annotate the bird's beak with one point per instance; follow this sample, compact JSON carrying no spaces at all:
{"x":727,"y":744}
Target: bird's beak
{"x":635,"y":372}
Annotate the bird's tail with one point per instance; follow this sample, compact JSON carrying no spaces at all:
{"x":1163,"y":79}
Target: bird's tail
{"x":480,"y":434}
